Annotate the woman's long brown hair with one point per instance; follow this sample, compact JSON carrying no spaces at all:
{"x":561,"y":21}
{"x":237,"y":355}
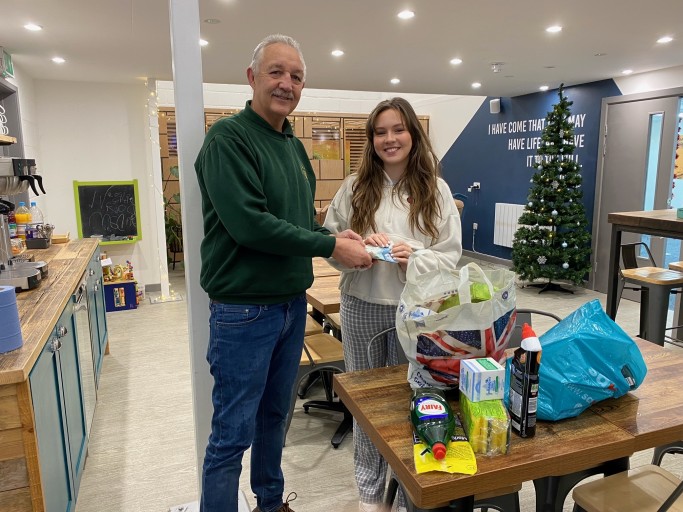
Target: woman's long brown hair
{"x":419,"y":180}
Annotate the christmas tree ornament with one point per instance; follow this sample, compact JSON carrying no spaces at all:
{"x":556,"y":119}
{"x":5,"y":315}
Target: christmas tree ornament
{"x":553,"y":213}
{"x":530,"y":204}
{"x":564,"y":245}
{"x":541,"y":260}
{"x":565,"y":265}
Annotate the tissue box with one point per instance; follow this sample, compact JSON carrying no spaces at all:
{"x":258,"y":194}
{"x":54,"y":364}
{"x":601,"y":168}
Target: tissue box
{"x":482,"y":379}
{"x":487,"y":424}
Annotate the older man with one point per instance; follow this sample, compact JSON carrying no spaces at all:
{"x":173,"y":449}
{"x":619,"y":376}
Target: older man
{"x":257,"y":188}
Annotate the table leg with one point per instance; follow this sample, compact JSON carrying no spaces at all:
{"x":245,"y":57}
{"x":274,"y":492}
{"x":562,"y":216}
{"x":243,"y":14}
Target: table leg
{"x":613,"y":272}
{"x":657,"y":309}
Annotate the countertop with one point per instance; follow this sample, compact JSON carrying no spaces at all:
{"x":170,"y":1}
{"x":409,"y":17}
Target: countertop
{"x":39,"y":309}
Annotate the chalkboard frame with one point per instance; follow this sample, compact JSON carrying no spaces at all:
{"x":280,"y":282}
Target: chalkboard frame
{"x":77,"y":184}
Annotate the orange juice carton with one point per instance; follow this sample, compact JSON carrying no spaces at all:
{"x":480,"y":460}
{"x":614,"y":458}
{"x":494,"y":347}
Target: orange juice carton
{"x":482,"y":379}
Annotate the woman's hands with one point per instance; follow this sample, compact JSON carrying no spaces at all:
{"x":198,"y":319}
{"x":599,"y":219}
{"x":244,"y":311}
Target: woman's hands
{"x":400,"y":250}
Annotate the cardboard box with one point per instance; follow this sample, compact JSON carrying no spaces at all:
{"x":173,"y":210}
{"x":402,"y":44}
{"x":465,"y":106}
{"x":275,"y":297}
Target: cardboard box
{"x":331,"y":169}
{"x":326,"y":189}
{"x":482,"y":379}
{"x":120,"y":295}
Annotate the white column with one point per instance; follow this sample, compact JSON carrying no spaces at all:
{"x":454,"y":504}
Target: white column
{"x":189,"y":105}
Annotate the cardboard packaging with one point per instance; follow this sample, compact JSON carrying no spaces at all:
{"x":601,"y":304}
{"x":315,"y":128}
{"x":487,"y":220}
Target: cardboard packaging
{"x":482,"y":379}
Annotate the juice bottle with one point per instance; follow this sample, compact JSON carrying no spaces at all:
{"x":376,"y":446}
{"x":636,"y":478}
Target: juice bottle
{"x":23,"y":218}
{"x":524,"y":384}
{"x":432,"y":419}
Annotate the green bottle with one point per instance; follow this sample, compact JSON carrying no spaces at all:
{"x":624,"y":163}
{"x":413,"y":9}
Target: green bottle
{"x":433,"y":419}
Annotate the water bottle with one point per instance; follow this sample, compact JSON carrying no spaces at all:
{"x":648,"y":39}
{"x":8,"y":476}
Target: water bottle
{"x":36,"y":219}
{"x":524,"y":384}
{"x":432,"y":419}
{"x":23,"y":218}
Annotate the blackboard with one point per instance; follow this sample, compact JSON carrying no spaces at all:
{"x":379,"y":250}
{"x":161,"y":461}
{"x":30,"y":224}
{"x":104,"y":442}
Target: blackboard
{"x":108,"y":209}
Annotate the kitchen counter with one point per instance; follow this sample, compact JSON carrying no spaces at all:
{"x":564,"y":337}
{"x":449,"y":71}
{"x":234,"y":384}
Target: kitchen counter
{"x":39,"y":309}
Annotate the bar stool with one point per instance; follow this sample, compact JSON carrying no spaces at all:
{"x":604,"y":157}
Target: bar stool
{"x":332,"y":325}
{"x":655,"y":284}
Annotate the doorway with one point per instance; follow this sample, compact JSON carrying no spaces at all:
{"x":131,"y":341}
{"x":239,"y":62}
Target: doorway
{"x":638,"y":143}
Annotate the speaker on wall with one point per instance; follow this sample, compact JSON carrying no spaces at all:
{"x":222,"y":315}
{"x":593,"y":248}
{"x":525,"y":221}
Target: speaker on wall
{"x":494,"y":106}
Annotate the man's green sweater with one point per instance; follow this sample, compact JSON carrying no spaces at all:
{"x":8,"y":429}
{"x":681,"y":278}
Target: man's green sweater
{"x":260,"y":233}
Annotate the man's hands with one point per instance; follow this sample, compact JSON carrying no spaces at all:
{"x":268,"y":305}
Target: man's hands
{"x":349,"y":250}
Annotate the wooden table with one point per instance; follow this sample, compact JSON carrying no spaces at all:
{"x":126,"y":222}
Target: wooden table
{"x":321,"y":268}
{"x":379,"y":400}
{"x":656,"y":223}
{"x":324,"y":295}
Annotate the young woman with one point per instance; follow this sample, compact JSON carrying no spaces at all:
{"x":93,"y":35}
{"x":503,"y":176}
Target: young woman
{"x":395,"y":200}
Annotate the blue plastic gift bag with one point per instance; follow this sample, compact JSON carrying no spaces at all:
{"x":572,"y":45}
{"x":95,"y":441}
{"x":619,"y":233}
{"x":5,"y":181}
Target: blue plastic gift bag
{"x":586,"y":358}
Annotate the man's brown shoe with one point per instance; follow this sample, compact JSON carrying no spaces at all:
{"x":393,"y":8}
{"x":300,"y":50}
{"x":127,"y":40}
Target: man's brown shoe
{"x":285,"y":506}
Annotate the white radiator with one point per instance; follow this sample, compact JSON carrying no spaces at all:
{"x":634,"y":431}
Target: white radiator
{"x":506,"y":223}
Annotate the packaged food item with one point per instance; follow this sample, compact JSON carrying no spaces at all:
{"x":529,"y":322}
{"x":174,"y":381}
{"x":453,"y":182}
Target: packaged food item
{"x":487,"y":424}
{"x":482,"y":379}
{"x":523,"y":399}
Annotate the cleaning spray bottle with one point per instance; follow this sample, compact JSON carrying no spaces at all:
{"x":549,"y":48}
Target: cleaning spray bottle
{"x":524,"y":384}
{"x":432,"y":419}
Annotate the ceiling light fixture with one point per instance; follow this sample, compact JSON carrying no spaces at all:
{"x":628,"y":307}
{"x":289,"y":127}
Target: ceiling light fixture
{"x":476,"y":85}
{"x":496,"y":66}
{"x":203,"y":42}
{"x":456,"y":61}
{"x":554,"y":29}
{"x":337,"y":53}
{"x":58,"y":60}
{"x":627,"y":72}
{"x":665,"y":39}
{"x":33,"y":27}
{"x":395,"y":81}
{"x":212,"y":21}
{"x":544,"y":88}
{"x":406,"y":15}
{"x":599,"y":54}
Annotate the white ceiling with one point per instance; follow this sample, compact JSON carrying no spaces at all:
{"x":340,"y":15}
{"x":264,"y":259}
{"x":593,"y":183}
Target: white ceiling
{"x":123,"y":40}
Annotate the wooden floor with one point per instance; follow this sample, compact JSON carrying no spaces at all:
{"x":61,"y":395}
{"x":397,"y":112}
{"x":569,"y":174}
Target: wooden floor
{"x":141,"y":454}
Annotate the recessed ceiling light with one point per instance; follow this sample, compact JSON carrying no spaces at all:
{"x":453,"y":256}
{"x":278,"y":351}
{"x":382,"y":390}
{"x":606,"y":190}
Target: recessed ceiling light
{"x":456,"y":61}
{"x":544,"y":88}
{"x":395,"y":81}
{"x":58,"y":60}
{"x":406,"y":15}
{"x":599,"y":54}
{"x":665,"y":39}
{"x":554,"y":29}
{"x":212,"y":21}
{"x":337,"y":53}
{"x":476,"y":85}
{"x":33,"y":27}
{"x":203,"y":42}
{"x":627,"y":72}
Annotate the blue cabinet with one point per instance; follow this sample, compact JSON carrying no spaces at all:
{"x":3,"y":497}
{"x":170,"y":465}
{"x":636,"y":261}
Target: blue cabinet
{"x":55,"y":384}
{"x":97,"y":311}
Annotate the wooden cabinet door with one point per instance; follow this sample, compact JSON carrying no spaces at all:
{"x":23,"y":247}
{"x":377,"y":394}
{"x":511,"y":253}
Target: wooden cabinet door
{"x":49,"y":414}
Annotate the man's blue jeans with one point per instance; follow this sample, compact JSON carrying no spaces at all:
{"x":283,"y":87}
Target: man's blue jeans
{"x":254,"y":353}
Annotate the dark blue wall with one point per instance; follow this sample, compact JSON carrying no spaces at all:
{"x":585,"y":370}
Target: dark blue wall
{"x":480,"y":154}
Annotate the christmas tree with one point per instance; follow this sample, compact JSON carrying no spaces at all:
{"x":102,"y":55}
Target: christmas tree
{"x":553,"y":241}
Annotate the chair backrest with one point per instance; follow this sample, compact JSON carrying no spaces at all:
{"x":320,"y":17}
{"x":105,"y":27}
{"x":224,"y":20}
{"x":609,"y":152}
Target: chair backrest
{"x":525,"y":316}
{"x":460,"y":200}
{"x":176,"y":242}
{"x":402,"y":359}
{"x":629,"y":255}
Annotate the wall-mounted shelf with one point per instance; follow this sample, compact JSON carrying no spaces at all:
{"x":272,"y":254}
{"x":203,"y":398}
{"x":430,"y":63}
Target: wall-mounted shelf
{"x":6,"y":140}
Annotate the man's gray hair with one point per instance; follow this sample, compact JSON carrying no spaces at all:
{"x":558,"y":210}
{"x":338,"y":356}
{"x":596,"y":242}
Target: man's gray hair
{"x":272,"y":39}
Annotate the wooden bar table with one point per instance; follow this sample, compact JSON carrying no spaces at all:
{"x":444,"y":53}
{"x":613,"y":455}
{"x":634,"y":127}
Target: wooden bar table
{"x":656,"y":223}
{"x":321,"y":268}
{"x":379,"y":400}
{"x":324,"y":295}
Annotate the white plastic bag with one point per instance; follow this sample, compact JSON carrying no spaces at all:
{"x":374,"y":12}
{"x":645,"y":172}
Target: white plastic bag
{"x":478,"y":322}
